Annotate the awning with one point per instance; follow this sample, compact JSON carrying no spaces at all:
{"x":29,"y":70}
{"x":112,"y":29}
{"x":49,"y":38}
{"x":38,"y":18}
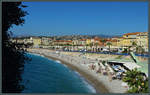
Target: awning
{"x":131,"y":65}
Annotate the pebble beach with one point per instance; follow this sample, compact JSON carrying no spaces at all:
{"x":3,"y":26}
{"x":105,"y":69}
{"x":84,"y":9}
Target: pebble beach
{"x":80,"y":63}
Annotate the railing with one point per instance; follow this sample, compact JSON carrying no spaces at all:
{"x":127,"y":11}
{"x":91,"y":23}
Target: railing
{"x":113,"y":53}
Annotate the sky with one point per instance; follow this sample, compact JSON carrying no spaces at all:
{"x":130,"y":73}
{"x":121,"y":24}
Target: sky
{"x":83,"y":18}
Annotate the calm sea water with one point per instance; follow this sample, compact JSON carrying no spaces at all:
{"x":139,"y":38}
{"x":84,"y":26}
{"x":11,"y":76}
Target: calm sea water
{"x":42,"y":75}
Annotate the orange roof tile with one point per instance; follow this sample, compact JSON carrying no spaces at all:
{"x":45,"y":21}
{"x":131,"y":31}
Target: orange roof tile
{"x":82,"y":39}
{"x":114,"y":40}
{"x":67,"y":41}
{"x":132,"y":33}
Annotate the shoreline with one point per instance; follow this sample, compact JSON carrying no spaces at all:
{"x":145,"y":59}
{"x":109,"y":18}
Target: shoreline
{"x":101,"y":83}
{"x":99,"y":87}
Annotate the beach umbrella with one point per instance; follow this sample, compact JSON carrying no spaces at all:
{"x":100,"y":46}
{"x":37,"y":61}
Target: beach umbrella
{"x":97,"y":66}
{"x":115,"y":67}
{"x":103,"y":67}
{"x":110,"y":69}
{"x":120,"y":71}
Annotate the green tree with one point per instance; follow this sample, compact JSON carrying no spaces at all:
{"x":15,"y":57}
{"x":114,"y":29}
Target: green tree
{"x":103,"y":41}
{"x":109,"y":44}
{"x":13,"y":53}
{"x":125,"y":50}
{"x":91,"y":45}
{"x":134,"y":44}
{"x":129,"y":49}
{"x":96,"y":44}
{"x":86,"y":46}
{"x":140,"y":50}
{"x":136,"y":81}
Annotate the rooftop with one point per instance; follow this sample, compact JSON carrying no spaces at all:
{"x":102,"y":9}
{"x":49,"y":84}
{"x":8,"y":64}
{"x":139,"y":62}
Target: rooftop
{"x":135,"y":33}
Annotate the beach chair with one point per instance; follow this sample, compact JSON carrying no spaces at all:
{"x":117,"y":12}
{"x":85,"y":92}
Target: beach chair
{"x":114,"y":77}
{"x":118,"y":75}
{"x":96,"y":66}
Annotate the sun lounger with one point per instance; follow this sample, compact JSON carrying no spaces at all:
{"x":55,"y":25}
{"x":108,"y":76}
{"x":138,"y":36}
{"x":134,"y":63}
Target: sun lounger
{"x":102,"y":66}
{"x":111,"y":70}
{"x":96,"y":66}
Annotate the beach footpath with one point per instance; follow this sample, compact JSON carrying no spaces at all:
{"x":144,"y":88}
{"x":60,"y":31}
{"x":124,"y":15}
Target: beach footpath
{"x":80,"y":63}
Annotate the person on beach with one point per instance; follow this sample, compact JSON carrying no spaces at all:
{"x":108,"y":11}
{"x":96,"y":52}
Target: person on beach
{"x":99,"y":70}
{"x":93,"y":67}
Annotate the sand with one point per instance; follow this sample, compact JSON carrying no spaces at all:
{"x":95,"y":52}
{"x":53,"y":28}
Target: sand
{"x":75,"y":61}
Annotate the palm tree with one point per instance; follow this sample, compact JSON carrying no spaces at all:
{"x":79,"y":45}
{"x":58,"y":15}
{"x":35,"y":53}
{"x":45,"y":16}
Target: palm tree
{"x":109,"y":44}
{"x":134,"y":44}
{"x":96,"y":46}
{"x":73,"y":46}
{"x":91,"y":44}
{"x":103,"y":41}
{"x":139,"y":49}
{"x":86,"y":46}
{"x":129,"y":49}
{"x":136,"y":81}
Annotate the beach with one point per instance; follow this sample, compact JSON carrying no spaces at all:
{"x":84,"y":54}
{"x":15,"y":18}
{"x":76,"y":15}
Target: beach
{"x":80,"y":63}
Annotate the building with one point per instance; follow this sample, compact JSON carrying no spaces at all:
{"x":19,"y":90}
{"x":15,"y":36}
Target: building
{"x":88,"y":41}
{"x":114,"y":42}
{"x":67,"y":42}
{"x":62,"y":42}
{"x":129,"y":38}
{"x":82,"y":42}
{"x":46,"y":41}
{"x":36,"y":41}
{"x":18,"y":40}
{"x":131,"y":35}
{"x":119,"y":42}
{"x":28,"y":40}
{"x":142,"y":40}
{"x":97,"y":41}
{"x":75,"y":42}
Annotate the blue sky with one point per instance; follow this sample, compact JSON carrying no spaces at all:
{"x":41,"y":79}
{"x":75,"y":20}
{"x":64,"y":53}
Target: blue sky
{"x":83,"y":18}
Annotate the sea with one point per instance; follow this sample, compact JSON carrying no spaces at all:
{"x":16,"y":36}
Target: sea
{"x":43,"y":75}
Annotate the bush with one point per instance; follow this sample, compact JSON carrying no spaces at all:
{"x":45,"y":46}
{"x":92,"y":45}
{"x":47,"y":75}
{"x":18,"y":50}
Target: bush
{"x":137,"y":82}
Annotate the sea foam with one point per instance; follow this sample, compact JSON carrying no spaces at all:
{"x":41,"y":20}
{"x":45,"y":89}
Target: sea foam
{"x":86,"y":83}
{"x":58,"y":61}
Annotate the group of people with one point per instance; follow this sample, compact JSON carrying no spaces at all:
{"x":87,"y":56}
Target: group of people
{"x":99,"y":67}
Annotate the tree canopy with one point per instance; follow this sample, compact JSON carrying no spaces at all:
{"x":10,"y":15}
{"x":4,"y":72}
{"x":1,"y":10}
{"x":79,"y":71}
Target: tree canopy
{"x":12,"y":54}
{"x":137,"y":82}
